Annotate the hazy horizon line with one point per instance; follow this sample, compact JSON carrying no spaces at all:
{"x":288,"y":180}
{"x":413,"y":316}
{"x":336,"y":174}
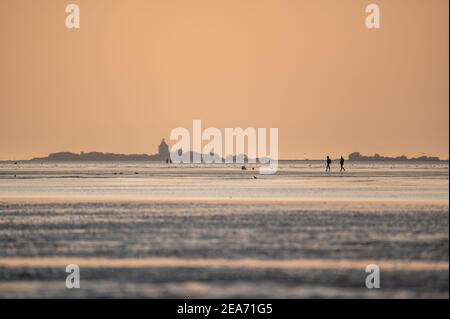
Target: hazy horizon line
{"x":333,"y":157}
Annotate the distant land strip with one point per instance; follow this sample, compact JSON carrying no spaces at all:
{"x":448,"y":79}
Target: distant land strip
{"x":110,"y":157}
{"x":414,"y":265}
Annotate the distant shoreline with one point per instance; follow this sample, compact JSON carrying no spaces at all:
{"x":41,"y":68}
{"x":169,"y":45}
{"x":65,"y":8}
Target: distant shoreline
{"x":163,"y":162}
{"x":62,"y":157}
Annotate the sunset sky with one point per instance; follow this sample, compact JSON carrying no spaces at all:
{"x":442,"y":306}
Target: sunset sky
{"x":139,"y":68}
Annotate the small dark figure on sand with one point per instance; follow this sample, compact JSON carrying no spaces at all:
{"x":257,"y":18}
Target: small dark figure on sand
{"x":342,"y":164}
{"x":328,"y":169}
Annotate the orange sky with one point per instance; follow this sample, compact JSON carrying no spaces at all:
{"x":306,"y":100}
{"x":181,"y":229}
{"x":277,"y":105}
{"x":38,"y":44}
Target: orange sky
{"x":138,"y":68}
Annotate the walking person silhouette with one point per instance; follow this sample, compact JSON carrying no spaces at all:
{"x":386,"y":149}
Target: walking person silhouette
{"x":328,"y":169}
{"x":342,"y":164}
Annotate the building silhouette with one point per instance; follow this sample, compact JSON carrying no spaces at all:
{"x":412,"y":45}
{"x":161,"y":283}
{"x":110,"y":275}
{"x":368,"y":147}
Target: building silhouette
{"x":163,"y":151}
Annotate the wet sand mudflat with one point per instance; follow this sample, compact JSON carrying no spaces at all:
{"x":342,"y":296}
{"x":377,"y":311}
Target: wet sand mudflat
{"x":252,"y":249}
{"x":218,"y":232}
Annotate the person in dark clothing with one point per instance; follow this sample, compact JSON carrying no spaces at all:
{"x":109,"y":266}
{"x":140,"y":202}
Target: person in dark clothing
{"x":328,"y":169}
{"x":342,"y":164}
